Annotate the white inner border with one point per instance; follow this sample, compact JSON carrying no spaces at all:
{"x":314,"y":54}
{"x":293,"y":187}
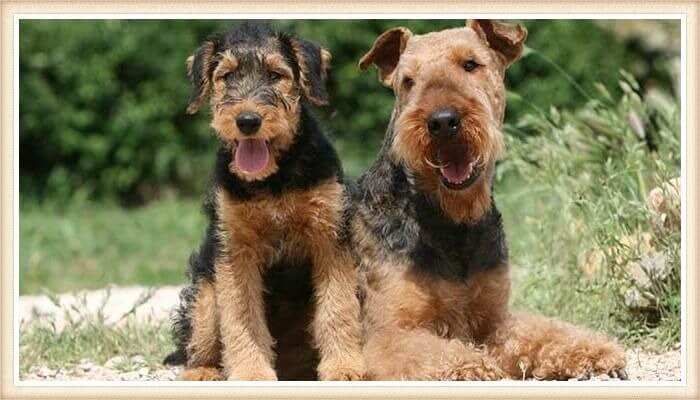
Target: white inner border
{"x":354,"y":16}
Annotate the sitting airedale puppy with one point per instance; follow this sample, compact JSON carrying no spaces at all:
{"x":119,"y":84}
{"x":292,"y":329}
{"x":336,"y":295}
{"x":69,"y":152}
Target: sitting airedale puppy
{"x":274,"y":260}
{"x":433,"y":253}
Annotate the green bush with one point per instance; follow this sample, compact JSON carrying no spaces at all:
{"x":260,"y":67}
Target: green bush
{"x":102,"y":108}
{"x":614,"y":262}
{"x":102,"y":102}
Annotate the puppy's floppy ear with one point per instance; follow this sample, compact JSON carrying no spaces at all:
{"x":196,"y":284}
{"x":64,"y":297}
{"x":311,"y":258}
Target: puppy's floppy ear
{"x":385,"y":53}
{"x":506,"y":39}
{"x":314,"y":62}
{"x":200,"y":67}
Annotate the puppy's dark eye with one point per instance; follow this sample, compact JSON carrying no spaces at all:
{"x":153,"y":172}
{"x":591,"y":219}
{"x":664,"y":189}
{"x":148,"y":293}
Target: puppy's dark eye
{"x":227,"y":76}
{"x":407,"y":83}
{"x":274,"y":76}
{"x":470,"y":65}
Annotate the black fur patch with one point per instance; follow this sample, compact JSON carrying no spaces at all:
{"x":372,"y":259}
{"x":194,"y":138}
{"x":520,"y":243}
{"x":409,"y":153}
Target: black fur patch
{"x":247,"y":41}
{"x":411,"y":225}
{"x":311,"y":52}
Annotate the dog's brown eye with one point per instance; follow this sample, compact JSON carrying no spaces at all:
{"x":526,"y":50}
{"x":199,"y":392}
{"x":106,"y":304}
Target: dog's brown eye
{"x":225,"y":77}
{"x":470,"y":65}
{"x":407,"y":83}
{"x":274,"y":76}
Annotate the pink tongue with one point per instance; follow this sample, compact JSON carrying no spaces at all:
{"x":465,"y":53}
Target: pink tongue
{"x":457,"y":171}
{"x":252,"y":155}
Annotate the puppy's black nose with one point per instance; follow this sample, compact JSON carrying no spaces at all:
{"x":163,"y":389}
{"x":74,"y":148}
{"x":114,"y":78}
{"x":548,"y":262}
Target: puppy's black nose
{"x":444,"y":123}
{"x":248,"y":122}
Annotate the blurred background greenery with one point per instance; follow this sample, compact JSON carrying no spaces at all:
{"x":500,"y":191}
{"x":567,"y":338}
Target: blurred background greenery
{"x":112,"y":170}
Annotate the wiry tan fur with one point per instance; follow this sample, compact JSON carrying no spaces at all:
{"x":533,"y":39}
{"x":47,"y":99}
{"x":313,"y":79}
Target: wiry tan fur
{"x":308,"y":220}
{"x":428,"y":329}
{"x":291,"y":227}
{"x":420,"y":325}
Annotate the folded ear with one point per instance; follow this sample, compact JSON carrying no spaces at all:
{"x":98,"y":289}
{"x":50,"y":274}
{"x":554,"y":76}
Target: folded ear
{"x":505,"y":39}
{"x":200,"y":67}
{"x":385,"y":53}
{"x":314,"y":62}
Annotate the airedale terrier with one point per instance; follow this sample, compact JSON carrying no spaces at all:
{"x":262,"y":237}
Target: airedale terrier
{"x":434,"y":263}
{"x":274,"y":260}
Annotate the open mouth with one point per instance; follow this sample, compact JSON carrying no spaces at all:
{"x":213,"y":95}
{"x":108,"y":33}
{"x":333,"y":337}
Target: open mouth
{"x":251,"y":155}
{"x":457,"y":169}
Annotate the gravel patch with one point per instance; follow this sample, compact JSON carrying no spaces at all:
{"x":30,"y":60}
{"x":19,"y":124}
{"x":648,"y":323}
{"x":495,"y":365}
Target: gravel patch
{"x":151,"y":305}
{"x":142,"y":304}
{"x":642,"y":366}
{"x":88,"y":371}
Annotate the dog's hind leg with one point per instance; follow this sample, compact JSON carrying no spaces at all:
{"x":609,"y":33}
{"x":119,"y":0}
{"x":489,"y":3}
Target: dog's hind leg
{"x":533,"y":346}
{"x":396,"y":354}
{"x":204,"y":347}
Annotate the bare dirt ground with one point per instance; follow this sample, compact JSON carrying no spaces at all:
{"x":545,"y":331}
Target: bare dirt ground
{"x":152,"y":305}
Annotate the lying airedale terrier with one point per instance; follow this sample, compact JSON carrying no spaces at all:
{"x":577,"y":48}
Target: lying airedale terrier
{"x":273,"y":262}
{"x":430,"y":239}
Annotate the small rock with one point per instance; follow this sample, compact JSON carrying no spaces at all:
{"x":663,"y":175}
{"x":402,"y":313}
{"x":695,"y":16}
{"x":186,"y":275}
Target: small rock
{"x":634,"y":299}
{"x":664,"y":202}
{"x":100,"y":370}
{"x":115,"y":361}
{"x":655,"y":265}
{"x":165,"y":375}
{"x":129,"y":376}
{"x":138,"y":360}
{"x":85,"y":365}
{"x":143,"y":371}
{"x":46,"y":372}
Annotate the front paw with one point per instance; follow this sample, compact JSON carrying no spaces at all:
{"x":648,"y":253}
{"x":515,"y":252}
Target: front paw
{"x":242,"y":373}
{"x":582,"y":360}
{"x":201,"y":374}
{"x":482,"y":370}
{"x":349,"y":370}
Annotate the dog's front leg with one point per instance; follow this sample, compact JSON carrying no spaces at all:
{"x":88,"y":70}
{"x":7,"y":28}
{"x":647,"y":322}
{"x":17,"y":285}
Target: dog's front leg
{"x":247,"y":343}
{"x":336,"y":323}
{"x":533,"y":346}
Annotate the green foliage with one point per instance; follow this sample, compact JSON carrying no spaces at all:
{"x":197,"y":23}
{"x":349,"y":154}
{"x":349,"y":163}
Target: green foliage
{"x":596,"y":166}
{"x":102,"y":102}
{"x":102,"y":108}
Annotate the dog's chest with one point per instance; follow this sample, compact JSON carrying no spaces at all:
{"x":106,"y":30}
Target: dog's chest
{"x":290,"y":219}
{"x":437,"y":247}
{"x":455,"y":309}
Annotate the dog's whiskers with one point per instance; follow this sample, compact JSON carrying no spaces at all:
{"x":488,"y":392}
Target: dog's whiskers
{"x":479,"y":162}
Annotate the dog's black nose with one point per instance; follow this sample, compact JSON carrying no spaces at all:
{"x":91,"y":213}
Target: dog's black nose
{"x":444,"y":122}
{"x":248,"y":122}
